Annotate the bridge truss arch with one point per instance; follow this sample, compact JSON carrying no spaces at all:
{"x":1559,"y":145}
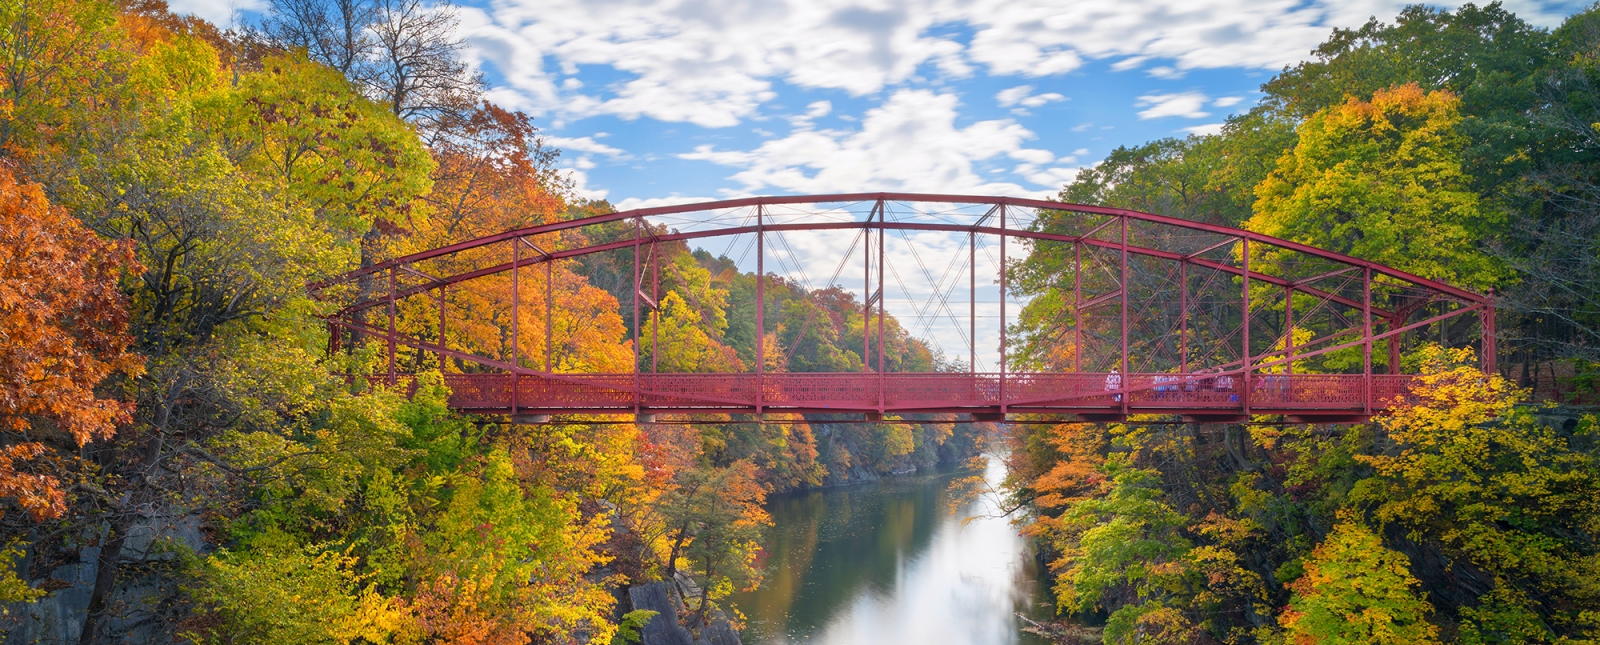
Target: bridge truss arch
{"x":1158,"y":315}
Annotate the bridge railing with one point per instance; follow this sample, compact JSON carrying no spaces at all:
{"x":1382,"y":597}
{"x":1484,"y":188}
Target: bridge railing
{"x":855,"y":391}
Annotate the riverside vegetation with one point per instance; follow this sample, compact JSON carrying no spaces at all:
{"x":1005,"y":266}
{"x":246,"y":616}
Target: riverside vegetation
{"x":179,"y":462}
{"x":1456,"y":145}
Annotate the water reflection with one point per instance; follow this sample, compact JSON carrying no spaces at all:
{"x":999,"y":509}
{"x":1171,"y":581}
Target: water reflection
{"x":888,"y":563}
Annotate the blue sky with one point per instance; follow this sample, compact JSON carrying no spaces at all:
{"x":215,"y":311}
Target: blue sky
{"x":657,"y":101}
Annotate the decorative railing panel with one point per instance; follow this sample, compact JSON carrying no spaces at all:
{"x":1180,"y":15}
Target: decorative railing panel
{"x":983,"y":392}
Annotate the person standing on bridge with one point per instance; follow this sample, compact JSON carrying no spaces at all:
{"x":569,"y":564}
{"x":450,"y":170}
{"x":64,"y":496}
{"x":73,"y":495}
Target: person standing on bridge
{"x":1114,"y":383}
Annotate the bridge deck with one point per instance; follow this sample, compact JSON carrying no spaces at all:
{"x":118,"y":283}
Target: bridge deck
{"x":1310,"y":397}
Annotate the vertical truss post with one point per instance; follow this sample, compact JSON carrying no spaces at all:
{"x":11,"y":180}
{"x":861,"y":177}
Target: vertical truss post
{"x":335,"y":338}
{"x":516,"y":320}
{"x":1396,"y":322}
{"x":1003,"y":361}
{"x":549,"y":307}
{"x":1366,"y":340}
{"x":1244,"y":395}
{"x":1077,"y":307}
{"x":866,"y":285}
{"x":638,"y":225}
{"x":655,"y":312}
{"x":392,"y":380}
{"x":1183,"y":316}
{"x":441,"y":329}
{"x":1288,"y":326}
{"x":761,"y":308}
{"x":1487,"y":344}
{"x":882,"y":298}
{"x":972,"y":302}
{"x":1127,"y":377}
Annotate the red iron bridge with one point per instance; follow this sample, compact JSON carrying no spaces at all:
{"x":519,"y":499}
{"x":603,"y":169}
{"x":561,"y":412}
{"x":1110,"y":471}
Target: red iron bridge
{"x":1061,"y":309}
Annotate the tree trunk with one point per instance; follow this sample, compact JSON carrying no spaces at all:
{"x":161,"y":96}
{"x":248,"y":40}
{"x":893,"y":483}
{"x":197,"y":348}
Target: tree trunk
{"x":672,"y":560}
{"x":105,"y":579}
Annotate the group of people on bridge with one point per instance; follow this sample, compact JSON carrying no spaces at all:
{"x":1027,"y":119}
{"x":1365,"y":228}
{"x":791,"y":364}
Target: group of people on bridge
{"x":1169,"y":386}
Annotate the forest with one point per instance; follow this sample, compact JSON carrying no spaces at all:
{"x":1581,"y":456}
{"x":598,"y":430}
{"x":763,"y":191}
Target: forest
{"x":184,"y":461}
{"x":1457,"y":145}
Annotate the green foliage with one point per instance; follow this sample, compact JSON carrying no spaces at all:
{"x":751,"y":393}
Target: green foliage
{"x":1354,"y":592}
{"x":1480,"y":476}
{"x":306,"y":132}
{"x":628,"y":629}
{"x":1125,"y":542}
{"x":12,"y":587}
{"x":1382,"y":181}
{"x":281,"y":592}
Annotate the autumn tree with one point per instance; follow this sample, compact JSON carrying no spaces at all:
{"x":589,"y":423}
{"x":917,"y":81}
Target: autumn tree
{"x":1123,"y":552}
{"x":713,"y":518}
{"x":673,"y":341}
{"x":65,"y":328}
{"x":1465,"y":458}
{"x":1382,"y":180}
{"x":1357,"y":591}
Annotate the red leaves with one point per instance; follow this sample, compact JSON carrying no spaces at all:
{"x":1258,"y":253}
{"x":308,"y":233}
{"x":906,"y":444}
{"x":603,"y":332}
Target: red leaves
{"x":63,"y":329}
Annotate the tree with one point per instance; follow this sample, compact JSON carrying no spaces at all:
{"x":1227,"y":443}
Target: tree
{"x":1355,"y":591}
{"x":683,"y":345}
{"x":47,"y":47}
{"x":1480,"y":476}
{"x":304,"y":130}
{"x":1487,"y":56}
{"x":1382,"y":181}
{"x":714,"y":518}
{"x":65,"y":326}
{"x":63,"y":330}
{"x":1122,"y":551}
{"x":403,"y":54}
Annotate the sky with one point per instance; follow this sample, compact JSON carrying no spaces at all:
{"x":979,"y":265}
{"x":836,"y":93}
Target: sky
{"x":672,"y":101}
{"x":660,"y":101}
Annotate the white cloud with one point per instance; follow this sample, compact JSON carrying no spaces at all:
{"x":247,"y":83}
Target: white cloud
{"x":1126,"y":64}
{"x":1041,"y":99}
{"x":1203,"y":130}
{"x":580,"y":185}
{"x":1023,"y":97}
{"x":814,"y":110}
{"x":714,"y":62}
{"x":218,"y":12}
{"x":1013,"y":96}
{"x":911,"y":142}
{"x":631,"y":203}
{"x":1228,"y":101}
{"x":584,"y":144}
{"x":1182,"y":104}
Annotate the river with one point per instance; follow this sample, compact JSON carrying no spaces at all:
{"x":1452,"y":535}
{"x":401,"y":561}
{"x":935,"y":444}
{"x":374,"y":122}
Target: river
{"x":886,"y":563}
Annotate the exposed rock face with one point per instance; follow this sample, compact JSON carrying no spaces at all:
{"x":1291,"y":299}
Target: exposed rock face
{"x":139,"y":604}
{"x":662,"y":629}
{"x":719,"y":632}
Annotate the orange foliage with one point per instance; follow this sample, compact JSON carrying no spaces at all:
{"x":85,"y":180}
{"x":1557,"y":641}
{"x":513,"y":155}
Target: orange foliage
{"x":1074,"y":471}
{"x":451,"y":612}
{"x":491,"y":177}
{"x":64,"y":325}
